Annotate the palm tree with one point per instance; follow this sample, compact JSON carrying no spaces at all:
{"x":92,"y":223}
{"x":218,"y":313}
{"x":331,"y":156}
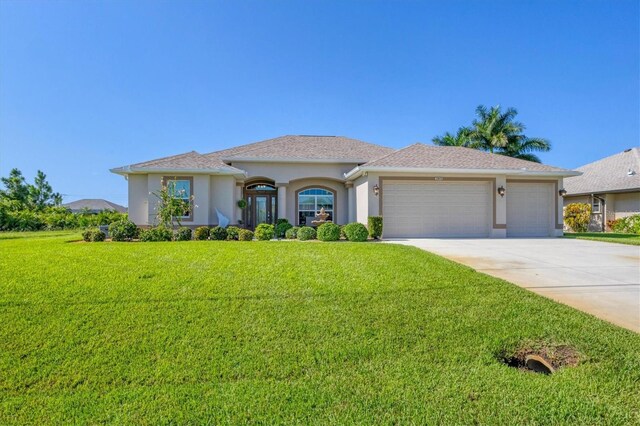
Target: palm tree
{"x":496,"y":132}
{"x":522,"y":147}
{"x":462,"y":138}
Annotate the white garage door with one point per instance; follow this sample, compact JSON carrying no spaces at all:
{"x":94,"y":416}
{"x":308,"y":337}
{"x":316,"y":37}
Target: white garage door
{"x":529,"y":209}
{"x":437,"y":209}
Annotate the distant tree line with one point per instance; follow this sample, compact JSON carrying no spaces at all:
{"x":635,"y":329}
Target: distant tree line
{"x":35,"y":207}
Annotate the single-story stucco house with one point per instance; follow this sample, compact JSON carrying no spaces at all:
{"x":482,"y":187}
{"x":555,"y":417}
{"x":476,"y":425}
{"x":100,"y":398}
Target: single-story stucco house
{"x":420,"y":190}
{"x":611,"y":185}
{"x":93,"y":205}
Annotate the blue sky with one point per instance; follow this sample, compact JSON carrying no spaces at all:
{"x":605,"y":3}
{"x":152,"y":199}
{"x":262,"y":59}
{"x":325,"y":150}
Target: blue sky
{"x":86,"y":86}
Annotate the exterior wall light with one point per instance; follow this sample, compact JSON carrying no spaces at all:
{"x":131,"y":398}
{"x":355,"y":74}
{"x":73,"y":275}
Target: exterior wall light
{"x":562,"y":192}
{"x":501,"y":191}
{"x":376,"y":189}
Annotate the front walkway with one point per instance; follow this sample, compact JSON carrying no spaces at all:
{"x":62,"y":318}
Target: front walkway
{"x":602,"y":279}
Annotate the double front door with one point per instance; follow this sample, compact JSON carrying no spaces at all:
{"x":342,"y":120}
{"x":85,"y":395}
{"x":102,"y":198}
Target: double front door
{"x":261,"y":208}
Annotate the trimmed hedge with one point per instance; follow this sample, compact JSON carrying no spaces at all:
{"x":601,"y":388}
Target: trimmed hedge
{"x":123,"y":230}
{"x":202,"y":233}
{"x":292,"y":233}
{"x":264,"y":232}
{"x":356,"y":232}
{"x":282,"y":228}
{"x":183,"y":234}
{"x":628,"y":225}
{"x":93,"y":235}
{"x":328,"y":232}
{"x":218,"y":234}
{"x":232,"y":233}
{"x":306,"y":233}
{"x":156,"y":234}
{"x":375,"y":226}
{"x":245,"y":235}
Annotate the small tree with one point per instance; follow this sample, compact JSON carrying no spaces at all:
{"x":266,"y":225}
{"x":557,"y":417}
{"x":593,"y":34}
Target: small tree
{"x":577,"y":216}
{"x":172,"y":204}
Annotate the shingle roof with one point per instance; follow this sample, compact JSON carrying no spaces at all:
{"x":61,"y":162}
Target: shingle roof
{"x":305,"y":147}
{"x":94,"y":204}
{"x":188,"y":161}
{"x":423,"y":156}
{"x":608,"y":174}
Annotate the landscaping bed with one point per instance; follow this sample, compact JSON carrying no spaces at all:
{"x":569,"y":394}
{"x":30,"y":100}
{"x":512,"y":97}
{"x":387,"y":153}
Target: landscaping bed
{"x":209,"y":332}
{"x":608,"y":237}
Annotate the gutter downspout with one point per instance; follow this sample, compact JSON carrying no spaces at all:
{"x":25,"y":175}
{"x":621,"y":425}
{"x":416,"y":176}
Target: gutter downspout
{"x":603,"y":208}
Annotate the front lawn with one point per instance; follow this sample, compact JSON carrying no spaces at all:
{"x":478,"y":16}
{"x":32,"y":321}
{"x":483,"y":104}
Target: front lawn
{"x":608,"y":237}
{"x":288,"y":332}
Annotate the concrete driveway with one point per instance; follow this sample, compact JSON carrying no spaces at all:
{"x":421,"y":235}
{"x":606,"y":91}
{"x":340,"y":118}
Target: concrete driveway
{"x":602,"y":279}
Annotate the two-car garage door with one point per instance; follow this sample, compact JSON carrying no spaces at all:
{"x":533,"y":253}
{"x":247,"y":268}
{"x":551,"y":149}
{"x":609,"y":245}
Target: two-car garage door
{"x":437,"y":208}
{"x":458,"y":208}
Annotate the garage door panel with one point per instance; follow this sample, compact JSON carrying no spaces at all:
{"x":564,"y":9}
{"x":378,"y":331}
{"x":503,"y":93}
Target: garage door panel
{"x":437,"y":209}
{"x":529,"y":209}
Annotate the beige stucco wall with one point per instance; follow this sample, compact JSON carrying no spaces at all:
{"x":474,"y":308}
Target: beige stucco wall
{"x":626,"y":204}
{"x":361,"y":186}
{"x":138,"y":195}
{"x":222,"y":196}
{"x":286,"y":172}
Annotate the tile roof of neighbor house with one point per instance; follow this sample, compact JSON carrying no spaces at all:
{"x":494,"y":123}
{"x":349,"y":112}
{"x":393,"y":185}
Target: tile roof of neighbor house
{"x":619,"y":172}
{"x":94,"y":204}
{"x":421,"y":156}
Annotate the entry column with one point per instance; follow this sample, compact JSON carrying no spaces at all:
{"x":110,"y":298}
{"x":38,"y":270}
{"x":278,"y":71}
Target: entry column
{"x":282,"y":201}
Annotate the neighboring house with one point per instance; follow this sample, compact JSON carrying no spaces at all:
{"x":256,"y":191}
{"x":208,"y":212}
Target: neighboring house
{"x":421,"y":191}
{"x":93,"y":205}
{"x":610,"y":185}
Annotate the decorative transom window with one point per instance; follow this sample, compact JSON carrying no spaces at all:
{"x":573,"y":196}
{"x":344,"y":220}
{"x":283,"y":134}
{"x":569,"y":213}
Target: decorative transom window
{"x":596,"y":205}
{"x":261,"y":187}
{"x":310,"y":201}
{"x":181,"y":189}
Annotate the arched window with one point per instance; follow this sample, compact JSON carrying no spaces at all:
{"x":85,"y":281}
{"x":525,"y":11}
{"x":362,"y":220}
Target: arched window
{"x":261,"y":187}
{"x":311,"y":200}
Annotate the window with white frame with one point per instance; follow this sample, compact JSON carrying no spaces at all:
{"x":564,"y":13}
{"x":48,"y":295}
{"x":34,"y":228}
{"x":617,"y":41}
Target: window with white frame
{"x":596,"y":205}
{"x":311,"y":200}
{"x":181,"y":189}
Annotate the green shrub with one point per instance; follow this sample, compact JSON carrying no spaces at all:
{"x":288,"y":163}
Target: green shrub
{"x":281,"y":220}
{"x":375,"y":226}
{"x":264,"y":232}
{"x":245,"y":235}
{"x":155,"y":234}
{"x":577,"y":216}
{"x":628,"y":225}
{"x":292,"y":233}
{"x":306,"y":233}
{"x":356,"y":232}
{"x":218,"y":233}
{"x":328,"y":232}
{"x":93,"y":235}
{"x":202,"y":233}
{"x":342,"y":234}
{"x":123,"y":230}
{"x":232,"y":233}
{"x":183,"y":234}
{"x":282,"y":228}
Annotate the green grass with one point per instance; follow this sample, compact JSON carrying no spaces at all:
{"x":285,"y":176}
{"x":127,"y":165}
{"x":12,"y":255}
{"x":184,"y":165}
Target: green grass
{"x":288,"y":332}
{"x":608,"y":237}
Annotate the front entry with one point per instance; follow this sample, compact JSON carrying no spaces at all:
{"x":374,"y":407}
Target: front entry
{"x":261,"y":204}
